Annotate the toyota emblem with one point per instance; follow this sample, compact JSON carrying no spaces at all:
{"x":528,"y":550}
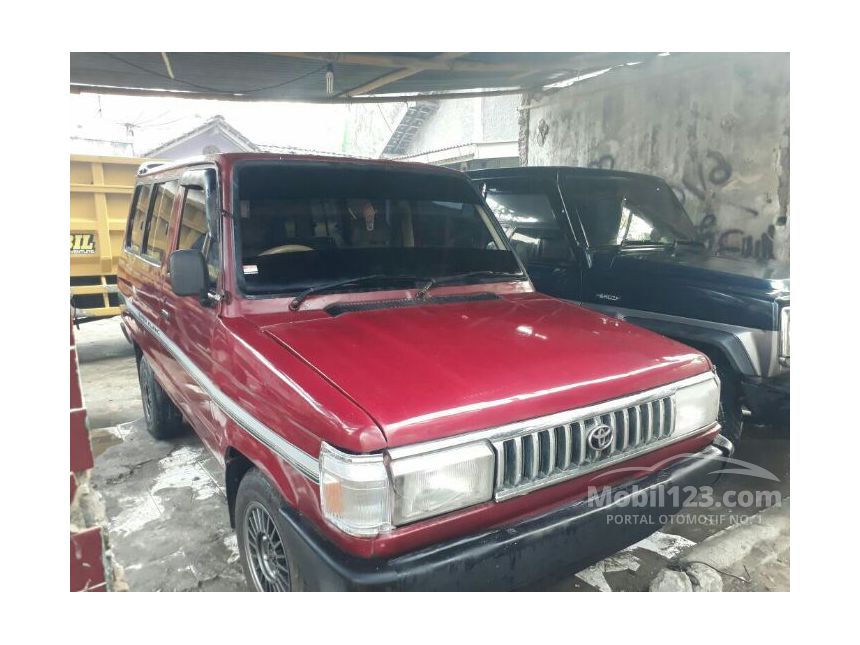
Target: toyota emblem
{"x":600,"y":437}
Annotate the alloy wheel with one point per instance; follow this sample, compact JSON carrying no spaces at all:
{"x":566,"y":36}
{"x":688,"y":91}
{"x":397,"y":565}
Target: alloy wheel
{"x":146,"y":398}
{"x":264,"y":550}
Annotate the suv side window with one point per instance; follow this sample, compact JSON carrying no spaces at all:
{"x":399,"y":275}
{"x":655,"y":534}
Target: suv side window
{"x":526,"y":214}
{"x":195,"y":233}
{"x":156,"y":237}
{"x":137,"y":221}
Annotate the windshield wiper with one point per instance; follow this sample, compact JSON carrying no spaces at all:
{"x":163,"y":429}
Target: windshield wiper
{"x":627,"y":243}
{"x":348,"y":282}
{"x":447,"y":279}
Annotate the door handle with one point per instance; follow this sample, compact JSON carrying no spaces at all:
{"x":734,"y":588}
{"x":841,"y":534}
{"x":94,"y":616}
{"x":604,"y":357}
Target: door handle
{"x":165,"y":314}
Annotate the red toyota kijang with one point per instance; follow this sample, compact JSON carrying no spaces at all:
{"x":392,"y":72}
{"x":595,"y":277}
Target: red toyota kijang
{"x":394,"y":405}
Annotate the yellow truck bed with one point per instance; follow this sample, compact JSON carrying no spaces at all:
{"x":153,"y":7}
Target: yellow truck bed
{"x":101,"y":190}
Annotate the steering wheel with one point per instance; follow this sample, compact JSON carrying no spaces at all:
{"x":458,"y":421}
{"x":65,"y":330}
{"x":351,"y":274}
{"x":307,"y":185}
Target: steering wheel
{"x":287,"y":248}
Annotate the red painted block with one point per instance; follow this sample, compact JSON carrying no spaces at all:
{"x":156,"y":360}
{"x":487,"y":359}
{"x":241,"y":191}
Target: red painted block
{"x":81,"y":454}
{"x":87,"y":567}
{"x":76,"y":399}
{"x":74,"y":487}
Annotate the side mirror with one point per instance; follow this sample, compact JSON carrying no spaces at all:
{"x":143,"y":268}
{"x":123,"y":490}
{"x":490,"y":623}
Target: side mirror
{"x":188,"y":273}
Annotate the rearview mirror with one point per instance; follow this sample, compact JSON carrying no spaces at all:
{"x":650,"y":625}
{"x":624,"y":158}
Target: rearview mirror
{"x":188,"y":273}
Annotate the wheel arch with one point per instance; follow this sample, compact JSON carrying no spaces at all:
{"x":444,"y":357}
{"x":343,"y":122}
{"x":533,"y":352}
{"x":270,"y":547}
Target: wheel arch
{"x":236,"y":466}
{"x":718,"y":345}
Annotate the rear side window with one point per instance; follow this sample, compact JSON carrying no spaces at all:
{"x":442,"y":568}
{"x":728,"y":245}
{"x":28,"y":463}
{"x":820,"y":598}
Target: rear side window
{"x":156,"y":238}
{"x":195,"y":233}
{"x":525,"y":212}
{"x":137,"y":223}
{"x":616,"y":210}
{"x":516,"y":210}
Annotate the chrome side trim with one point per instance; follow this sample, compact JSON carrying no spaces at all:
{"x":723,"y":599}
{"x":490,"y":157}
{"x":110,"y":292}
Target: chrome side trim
{"x":785,"y":335}
{"x":295,"y":456}
{"x":521,"y":428}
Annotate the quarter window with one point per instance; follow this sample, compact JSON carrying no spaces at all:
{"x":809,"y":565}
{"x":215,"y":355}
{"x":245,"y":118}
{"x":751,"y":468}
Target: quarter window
{"x":156,"y":239}
{"x":195,"y":233}
{"x":137,"y":223}
{"x":627,"y":210}
{"x":527,"y":216}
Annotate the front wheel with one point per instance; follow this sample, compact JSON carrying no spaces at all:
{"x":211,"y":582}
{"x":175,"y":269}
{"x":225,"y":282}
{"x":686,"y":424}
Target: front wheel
{"x":260,"y":529}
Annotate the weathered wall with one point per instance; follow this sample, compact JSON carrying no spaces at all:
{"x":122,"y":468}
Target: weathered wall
{"x":369,"y":126}
{"x":455,"y":123}
{"x":473,"y":120}
{"x":715,"y":126}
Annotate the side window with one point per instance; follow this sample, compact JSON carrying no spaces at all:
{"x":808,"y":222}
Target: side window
{"x":548,"y":245}
{"x":156,"y":237}
{"x":194,"y":232}
{"x":598,"y":203}
{"x":526,"y":214}
{"x":640,"y":226}
{"x":137,"y":221}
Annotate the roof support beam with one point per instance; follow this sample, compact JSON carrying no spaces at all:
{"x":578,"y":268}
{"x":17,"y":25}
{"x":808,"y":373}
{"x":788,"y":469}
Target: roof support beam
{"x":398,"y":75}
{"x":167,"y":65}
{"x":218,"y":96}
{"x":399,"y":62}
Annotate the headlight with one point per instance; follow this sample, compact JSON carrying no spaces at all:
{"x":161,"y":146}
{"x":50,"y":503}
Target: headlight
{"x":427,"y":485}
{"x":696,"y":406}
{"x":785,"y":333}
{"x":362,"y":497}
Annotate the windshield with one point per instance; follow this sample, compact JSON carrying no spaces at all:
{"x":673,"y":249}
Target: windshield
{"x":627,"y":210}
{"x":303,"y":227}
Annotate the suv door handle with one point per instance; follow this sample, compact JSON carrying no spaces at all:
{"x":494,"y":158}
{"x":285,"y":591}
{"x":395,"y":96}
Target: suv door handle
{"x":165,"y":314}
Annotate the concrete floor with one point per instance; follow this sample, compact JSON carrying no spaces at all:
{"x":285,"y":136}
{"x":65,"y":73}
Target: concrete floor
{"x":167,"y":515}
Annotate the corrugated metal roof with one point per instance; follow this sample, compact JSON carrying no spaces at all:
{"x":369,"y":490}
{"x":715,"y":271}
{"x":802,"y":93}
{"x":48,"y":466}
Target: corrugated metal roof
{"x":302,"y":76}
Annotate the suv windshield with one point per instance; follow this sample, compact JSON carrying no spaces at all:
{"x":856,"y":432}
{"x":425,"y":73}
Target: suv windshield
{"x":627,"y":210}
{"x":301,"y":227}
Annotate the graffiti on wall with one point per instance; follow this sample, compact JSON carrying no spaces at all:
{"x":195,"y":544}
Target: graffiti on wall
{"x":606,"y":162}
{"x":702,"y":180}
{"x":735,"y":241}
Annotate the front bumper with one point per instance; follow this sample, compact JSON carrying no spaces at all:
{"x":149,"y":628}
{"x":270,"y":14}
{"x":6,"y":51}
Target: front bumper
{"x":560,"y":542}
{"x":768,"y":398}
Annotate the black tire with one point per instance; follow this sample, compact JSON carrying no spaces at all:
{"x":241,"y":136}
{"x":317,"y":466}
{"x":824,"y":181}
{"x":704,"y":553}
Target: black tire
{"x":731,"y":416}
{"x":163,"y":418}
{"x":260,"y":531}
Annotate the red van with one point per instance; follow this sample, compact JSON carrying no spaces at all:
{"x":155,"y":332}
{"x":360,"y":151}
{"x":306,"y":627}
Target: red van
{"x":394,"y":405}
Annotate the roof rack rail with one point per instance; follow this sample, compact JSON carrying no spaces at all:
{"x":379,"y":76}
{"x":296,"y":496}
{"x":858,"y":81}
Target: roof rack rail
{"x":149,"y":165}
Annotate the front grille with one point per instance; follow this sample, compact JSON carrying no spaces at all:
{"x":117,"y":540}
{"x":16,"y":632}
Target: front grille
{"x":539,"y":457}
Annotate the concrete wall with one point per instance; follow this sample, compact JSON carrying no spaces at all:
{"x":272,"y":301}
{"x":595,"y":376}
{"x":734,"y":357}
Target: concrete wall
{"x":369,"y":126}
{"x":715,"y":126}
{"x":475,"y":120}
{"x":457,"y":122}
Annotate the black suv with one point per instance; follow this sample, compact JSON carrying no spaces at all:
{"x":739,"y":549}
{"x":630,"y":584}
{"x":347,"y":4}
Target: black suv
{"x":622,"y":243}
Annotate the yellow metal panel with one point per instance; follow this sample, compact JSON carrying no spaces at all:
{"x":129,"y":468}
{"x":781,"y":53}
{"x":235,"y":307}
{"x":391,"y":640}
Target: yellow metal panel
{"x":100,"y":196}
{"x":98,"y":312}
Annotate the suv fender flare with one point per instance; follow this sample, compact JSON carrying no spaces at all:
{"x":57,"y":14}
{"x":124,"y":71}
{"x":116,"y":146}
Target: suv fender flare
{"x":703,"y":338}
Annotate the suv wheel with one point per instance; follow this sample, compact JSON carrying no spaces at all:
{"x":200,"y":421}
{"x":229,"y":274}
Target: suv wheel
{"x":731,"y":415}
{"x":163,"y":418}
{"x":265,"y":558}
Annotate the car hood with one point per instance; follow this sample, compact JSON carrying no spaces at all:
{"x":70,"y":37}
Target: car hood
{"x":435,"y":370}
{"x":699,"y":264}
{"x":690,"y":283}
